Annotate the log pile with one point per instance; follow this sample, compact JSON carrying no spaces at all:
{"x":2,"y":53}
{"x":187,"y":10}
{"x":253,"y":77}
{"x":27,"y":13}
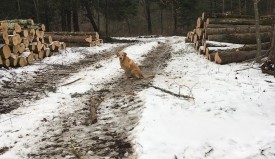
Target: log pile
{"x":22,"y":41}
{"x":78,"y":38}
{"x":229,"y":28}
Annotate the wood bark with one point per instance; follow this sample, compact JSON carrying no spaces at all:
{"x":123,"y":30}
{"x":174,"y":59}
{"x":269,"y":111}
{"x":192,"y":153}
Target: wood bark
{"x":19,"y":21}
{"x":237,"y":21}
{"x":90,"y":15}
{"x":95,"y":35}
{"x":258,"y":36}
{"x":237,"y":29}
{"x":223,"y":15}
{"x":69,"y":39}
{"x":250,"y":47}
{"x":246,"y":38}
{"x":229,"y":56}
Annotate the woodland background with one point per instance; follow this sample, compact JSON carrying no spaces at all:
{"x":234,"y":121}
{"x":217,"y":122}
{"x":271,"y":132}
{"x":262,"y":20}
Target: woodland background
{"x":125,"y":17}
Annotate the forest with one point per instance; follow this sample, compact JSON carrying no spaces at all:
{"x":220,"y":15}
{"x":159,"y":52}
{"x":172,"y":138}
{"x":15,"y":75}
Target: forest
{"x":125,"y":17}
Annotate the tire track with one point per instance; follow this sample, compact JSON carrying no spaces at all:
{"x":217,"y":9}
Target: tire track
{"x":14,"y":93}
{"x":118,"y":111}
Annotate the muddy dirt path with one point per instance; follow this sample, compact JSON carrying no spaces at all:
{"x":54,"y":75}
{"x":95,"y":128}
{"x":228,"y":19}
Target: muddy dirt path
{"x":17,"y":91}
{"x":118,"y":108}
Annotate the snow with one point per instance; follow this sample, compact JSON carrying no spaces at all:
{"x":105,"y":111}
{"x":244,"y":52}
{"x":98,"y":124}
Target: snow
{"x":31,"y":115}
{"x":232,"y":114}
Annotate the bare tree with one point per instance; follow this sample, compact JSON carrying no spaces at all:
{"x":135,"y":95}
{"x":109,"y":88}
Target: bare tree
{"x":75,"y":7}
{"x":257,"y":25}
{"x":35,"y":3}
{"x":273,"y":38}
{"x":19,"y":9}
{"x":146,"y":4}
{"x":89,"y":14}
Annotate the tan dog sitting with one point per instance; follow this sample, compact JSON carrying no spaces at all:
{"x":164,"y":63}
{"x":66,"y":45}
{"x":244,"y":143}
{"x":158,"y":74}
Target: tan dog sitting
{"x":131,"y":69}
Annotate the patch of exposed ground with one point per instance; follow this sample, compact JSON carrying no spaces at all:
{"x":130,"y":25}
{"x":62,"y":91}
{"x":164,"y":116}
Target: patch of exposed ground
{"x":101,"y":126}
{"x":16,"y":91}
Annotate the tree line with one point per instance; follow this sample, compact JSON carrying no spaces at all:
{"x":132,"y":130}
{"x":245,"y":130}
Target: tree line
{"x":128,"y":17}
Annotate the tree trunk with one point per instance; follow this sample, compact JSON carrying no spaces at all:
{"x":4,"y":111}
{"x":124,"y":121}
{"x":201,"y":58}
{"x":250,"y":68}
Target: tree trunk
{"x":69,"y":39}
{"x":175,"y":17}
{"x":69,"y":20}
{"x":161,"y":21}
{"x":5,"y":51}
{"x":63,"y":20}
{"x":258,"y":36}
{"x":146,"y":4}
{"x":19,"y":8}
{"x":246,"y":38}
{"x":251,"y":47}
{"x":94,"y":34}
{"x":75,"y":16}
{"x":237,"y":21}
{"x":237,"y":29}
{"x":128,"y":26}
{"x":13,"y":60}
{"x":225,"y":57}
{"x":106,"y":17}
{"x":90,"y":15}
{"x":35,"y":3}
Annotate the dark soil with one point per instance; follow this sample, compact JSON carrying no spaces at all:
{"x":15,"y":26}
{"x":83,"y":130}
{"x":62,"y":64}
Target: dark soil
{"x":101,"y":126}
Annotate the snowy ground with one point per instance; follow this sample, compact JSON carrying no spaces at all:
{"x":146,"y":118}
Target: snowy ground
{"x":232,"y":114}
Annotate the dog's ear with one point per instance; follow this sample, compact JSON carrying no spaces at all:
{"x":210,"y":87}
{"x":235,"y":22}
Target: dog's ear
{"x":124,"y":53}
{"x":117,"y":54}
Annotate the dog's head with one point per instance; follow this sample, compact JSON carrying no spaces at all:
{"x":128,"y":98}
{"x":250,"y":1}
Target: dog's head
{"x":121,"y":55}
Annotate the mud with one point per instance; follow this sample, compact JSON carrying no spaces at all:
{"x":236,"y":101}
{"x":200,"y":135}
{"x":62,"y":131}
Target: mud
{"x":18,"y":90}
{"x":101,"y":127}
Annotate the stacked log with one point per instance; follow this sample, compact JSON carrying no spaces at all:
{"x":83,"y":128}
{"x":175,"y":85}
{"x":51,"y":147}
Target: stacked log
{"x":229,"y":28}
{"x":22,"y":41}
{"x":90,"y":38}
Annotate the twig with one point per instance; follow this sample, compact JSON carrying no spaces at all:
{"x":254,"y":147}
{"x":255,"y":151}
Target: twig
{"x":71,"y":82}
{"x":15,"y":115}
{"x":169,"y":92}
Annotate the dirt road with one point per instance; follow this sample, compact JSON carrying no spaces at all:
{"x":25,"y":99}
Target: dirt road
{"x":79,"y":134}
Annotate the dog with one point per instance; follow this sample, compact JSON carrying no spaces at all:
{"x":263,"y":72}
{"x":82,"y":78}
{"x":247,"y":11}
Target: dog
{"x":129,"y":66}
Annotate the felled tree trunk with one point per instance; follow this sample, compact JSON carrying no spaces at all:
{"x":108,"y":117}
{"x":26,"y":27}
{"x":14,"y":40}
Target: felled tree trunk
{"x":206,"y":15}
{"x":246,"y":38}
{"x":19,"y":21}
{"x":237,"y":29}
{"x":265,"y":46}
{"x":5,"y":51}
{"x":229,"y":56}
{"x":69,"y":39}
{"x":237,"y":21}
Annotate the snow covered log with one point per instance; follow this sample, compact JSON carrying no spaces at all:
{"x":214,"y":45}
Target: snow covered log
{"x":28,"y":56}
{"x":245,"y":38}
{"x":68,"y":38}
{"x":13,"y":60}
{"x":229,"y":56}
{"x":22,"y":61}
{"x":19,"y":21}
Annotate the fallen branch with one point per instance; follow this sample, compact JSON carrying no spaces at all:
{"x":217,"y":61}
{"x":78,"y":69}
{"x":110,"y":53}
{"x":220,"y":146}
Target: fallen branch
{"x":167,"y":91}
{"x":71,"y":82}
